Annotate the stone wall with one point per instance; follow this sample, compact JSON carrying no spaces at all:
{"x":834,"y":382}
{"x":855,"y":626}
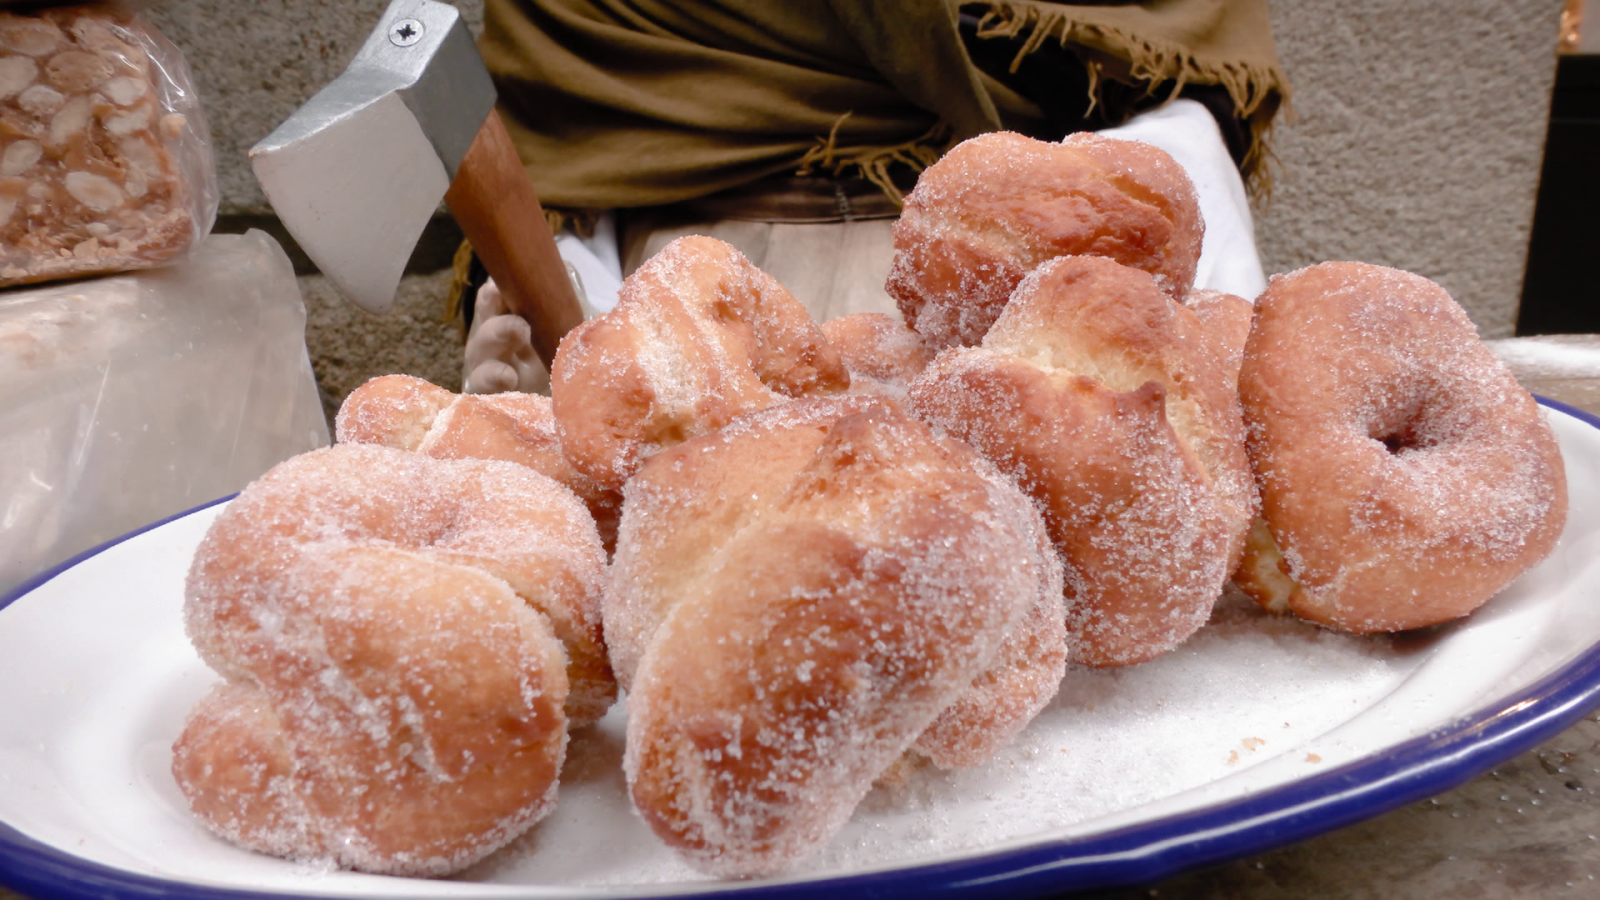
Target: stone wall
{"x":1419,"y":132}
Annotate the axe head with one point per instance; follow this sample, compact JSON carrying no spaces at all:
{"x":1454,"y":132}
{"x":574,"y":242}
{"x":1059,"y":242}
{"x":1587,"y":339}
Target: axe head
{"x":357,"y":172}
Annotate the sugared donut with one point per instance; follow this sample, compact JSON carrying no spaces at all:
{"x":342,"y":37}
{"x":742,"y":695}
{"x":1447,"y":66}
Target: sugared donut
{"x":795,"y":600}
{"x":388,"y":625}
{"x":1016,"y":686}
{"x":698,"y":335}
{"x":998,"y":205}
{"x":1105,"y":400}
{"x":1227,"y":317}
{"x":410,"y":413}
{"x":1405,"y":475}
{"x":880,"y":351}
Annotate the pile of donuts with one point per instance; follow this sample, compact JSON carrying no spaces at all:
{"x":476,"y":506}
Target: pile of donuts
{"x":812,"y":555}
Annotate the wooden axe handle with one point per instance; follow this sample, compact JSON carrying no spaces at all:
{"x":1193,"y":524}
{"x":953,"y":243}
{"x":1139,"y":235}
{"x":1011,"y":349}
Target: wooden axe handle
{"x":498,"y":210}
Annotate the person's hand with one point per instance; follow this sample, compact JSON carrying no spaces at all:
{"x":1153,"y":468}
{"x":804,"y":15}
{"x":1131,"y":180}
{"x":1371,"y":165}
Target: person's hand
{"x":499,"y":352}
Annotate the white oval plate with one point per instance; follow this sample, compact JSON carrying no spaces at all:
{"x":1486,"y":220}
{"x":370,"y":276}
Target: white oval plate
{"x":1258,"y":732}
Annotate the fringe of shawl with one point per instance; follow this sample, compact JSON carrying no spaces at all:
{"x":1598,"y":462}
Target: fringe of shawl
{"x":875,"y":163}
{"x":1258,"y":92}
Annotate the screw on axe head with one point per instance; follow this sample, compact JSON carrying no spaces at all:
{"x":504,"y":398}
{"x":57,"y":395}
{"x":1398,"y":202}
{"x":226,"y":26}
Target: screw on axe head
{"x":357,"y":172}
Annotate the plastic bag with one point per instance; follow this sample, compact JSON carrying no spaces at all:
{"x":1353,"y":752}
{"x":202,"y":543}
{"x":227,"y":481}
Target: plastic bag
{"x":105,"y":156}
{"x":130,"y":398}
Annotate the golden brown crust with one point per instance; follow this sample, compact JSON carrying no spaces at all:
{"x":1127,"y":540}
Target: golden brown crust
{"x":882,"y":353}
{"x":698,"y":336}
{"x":235,"y":768}
{"x":1104,"y":400}
{"x":1227,"y":317}
{"x":1094,"y":317}
{"x":794,"y":600}
{"x":998,"y":205}
{"x":392,"y":410}
{"x":1005,"y":697}
{"x":1405,"y":475}
{"x":388,"y":627}
{"x":409,"y":413}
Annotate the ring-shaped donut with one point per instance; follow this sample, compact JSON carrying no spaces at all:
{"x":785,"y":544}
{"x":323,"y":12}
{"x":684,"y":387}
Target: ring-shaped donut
{"x":1405,"y":475}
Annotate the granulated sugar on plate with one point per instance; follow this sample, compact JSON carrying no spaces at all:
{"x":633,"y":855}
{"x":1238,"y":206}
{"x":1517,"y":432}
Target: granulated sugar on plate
{"x":1247,"y":688}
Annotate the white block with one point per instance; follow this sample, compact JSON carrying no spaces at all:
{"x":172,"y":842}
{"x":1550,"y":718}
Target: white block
{"x":127,"y":399}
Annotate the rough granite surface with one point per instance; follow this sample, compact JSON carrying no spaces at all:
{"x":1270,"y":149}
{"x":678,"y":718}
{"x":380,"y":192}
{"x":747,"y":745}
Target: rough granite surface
{"x":1417,"y":141}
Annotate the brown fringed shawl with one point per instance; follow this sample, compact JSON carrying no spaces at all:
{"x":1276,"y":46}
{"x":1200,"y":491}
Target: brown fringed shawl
{"x":624,"y":103}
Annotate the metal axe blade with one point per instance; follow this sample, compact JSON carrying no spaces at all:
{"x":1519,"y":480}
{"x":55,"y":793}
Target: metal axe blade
{"x":357,"y":172}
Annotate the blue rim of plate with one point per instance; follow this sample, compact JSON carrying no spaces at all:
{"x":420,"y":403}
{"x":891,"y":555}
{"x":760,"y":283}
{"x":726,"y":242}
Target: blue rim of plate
{"x":1134,"y":855}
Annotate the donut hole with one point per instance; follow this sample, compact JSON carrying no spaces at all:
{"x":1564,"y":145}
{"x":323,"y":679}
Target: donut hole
{"x":1412,"y":427}
{"x":1400,"y":440}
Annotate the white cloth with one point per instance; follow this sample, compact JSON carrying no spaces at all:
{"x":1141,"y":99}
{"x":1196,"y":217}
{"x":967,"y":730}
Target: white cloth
{"x":1186,"y":130}
{"x":597,"y":263}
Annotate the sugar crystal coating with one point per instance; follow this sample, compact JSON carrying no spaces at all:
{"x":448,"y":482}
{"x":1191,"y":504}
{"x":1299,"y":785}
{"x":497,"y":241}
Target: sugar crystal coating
{"x":1227,"y":317}
{"x":411,"y":413}
{"x":795,"y":600}
{"x":387,"y":626}
{"x":698,"y":336}
{"x":1107,"y":404}
{"x":1405,"y":475}
{"x":882,"y":353}
{"x":998,"y":205}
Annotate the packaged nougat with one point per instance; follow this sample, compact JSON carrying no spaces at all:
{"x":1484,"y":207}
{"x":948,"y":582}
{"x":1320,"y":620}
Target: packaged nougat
{"x":105,"y":159}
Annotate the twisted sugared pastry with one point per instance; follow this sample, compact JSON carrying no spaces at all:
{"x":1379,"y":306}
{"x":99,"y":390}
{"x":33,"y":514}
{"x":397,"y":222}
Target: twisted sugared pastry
{"x":698,"y":335}
{"x":410,"y":413}
{"x":997,"y":206}
{"x":882,"y":353}
{"x":390,"y":629}
{"x":802,"y":597}
{"x":1228,"y":318}
{"x":1108,"y":404}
